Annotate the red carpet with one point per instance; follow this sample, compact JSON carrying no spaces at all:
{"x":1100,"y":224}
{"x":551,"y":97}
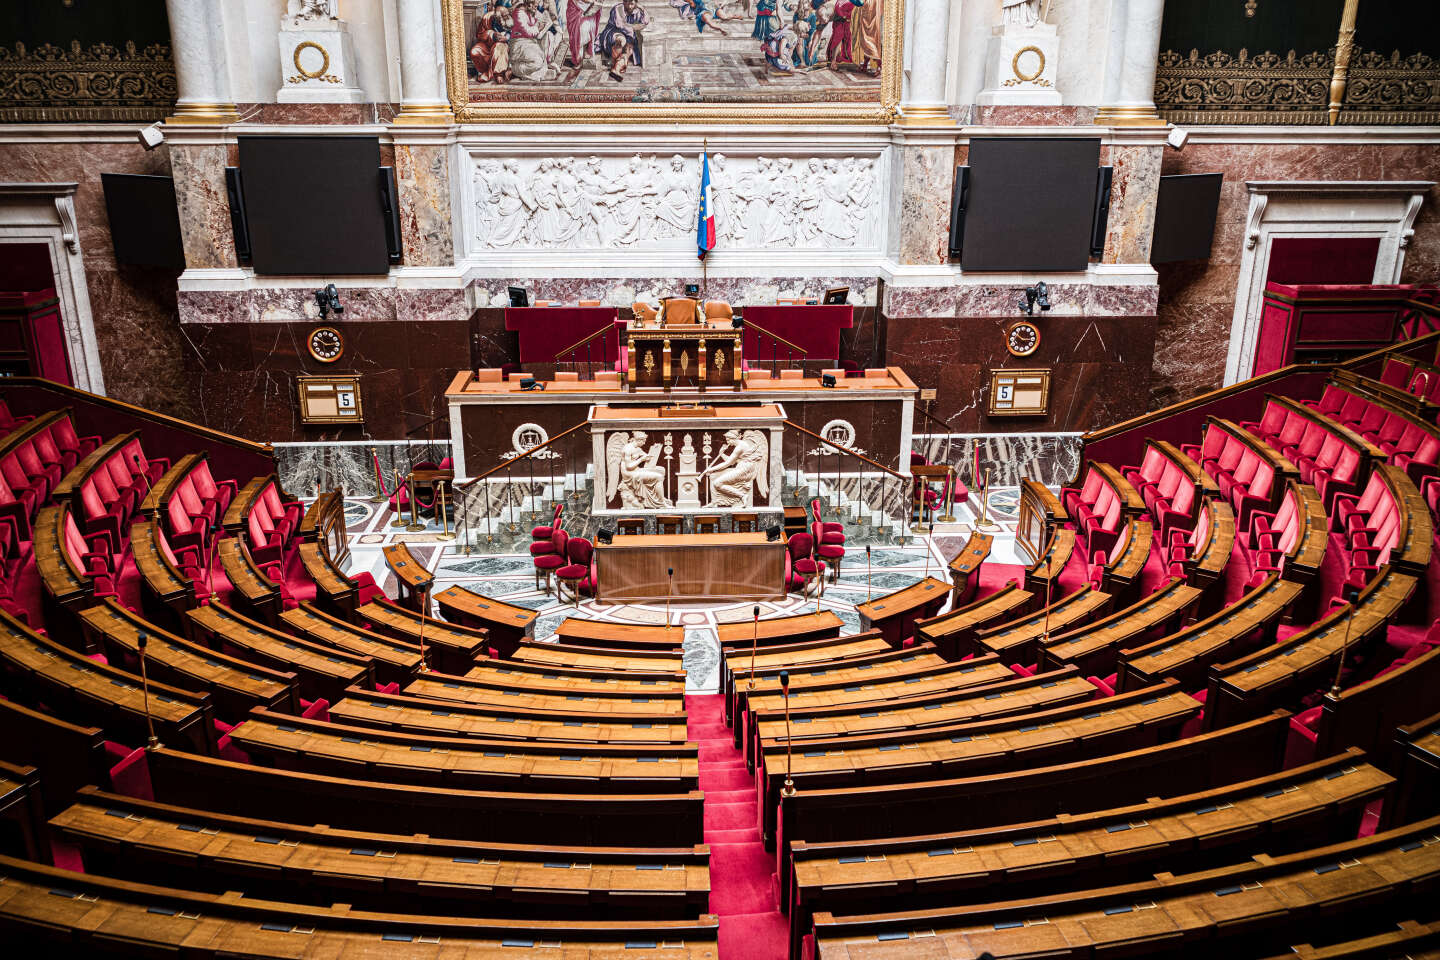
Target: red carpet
{"x":742,"y":891}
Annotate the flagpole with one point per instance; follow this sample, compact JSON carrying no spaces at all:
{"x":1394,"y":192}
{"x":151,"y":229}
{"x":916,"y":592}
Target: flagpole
{"x":704,"y":267}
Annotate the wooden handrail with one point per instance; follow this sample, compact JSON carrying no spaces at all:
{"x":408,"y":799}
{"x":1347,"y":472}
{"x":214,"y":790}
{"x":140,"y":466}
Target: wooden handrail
{"x":775,"y":336}
{"x":584,"y":340}
{"x":528,"y":453}
{"x":1156,"y":415}
{"x":844,"y":449}
{"x":931,"y":417}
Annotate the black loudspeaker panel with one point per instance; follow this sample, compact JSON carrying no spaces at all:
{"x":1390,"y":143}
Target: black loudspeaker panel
{"x":144,"y":222}
{"x":959,"y":197}
{"x":235,"y":190}
{"x":390,"y":205}
{"x":1185,"y":212}
{"x":1100,"y":219}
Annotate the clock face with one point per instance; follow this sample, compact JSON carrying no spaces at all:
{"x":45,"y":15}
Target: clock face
{"x":326,"y":344}
{"x":1022,"y":339}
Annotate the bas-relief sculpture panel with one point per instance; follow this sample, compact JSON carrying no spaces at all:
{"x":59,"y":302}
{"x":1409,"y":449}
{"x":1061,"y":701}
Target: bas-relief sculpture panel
{"x":650,"y":203}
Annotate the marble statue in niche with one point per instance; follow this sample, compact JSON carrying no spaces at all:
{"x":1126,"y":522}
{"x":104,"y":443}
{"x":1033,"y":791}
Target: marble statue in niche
{"x":1021,"y":13}
{"x":634,"y":472}
{"x":558,"y":203}
{"x":742,"y":464}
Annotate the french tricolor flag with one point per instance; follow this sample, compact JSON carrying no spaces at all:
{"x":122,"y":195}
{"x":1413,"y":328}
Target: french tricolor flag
{"x":705,"y":231}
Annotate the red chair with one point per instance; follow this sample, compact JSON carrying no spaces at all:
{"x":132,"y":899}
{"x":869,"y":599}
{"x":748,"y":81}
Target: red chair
{"x":826,"y":532}
{"x":827,"y":553}
{"x":548,"y":562}
{"x":800,"y":566}
{"x":212,"y":491}
{"x":544,"y":533}
{"x":579,"y":573}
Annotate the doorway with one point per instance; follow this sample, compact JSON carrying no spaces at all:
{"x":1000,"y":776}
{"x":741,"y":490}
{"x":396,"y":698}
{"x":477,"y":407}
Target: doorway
{"x":32,"y":331}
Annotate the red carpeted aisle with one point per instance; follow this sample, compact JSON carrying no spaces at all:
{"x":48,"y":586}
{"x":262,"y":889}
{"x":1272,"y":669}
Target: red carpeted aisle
{"x":742,"y":893}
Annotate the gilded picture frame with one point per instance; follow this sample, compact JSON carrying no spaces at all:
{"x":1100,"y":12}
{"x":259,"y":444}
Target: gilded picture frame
{"x":882,"y":110}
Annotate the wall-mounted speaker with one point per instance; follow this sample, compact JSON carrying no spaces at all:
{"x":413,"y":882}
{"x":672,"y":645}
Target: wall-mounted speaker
{"x":239,"y":227}
{"x":959,"y":200}
{"x":1100,"y":221}
{"x":390,"y":203}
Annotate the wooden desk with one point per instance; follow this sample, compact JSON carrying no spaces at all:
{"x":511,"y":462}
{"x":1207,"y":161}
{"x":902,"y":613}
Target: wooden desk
{"x":771,"y":630}
{"x":154,"y":842}
{"x":333,"y":589}
{"x":1019,"y":641}
{"x":396,"y":661}
{"x":163,"y":488}
{"x":895,"y":615}
{"x":20,"y":806}
{"x":410,"y":574}
{"x":1205,"y":568}
{"x":954,"y":633}
{"x":256,"y":595}
{"x":71,"y":755}
{"x":60,"y":908}
{"x":332,"y":749}
{"x":1044,"y":575}
{"x":322,"y":671}
{"x":595,"y":633}
{"x":1416,"y":761}
{"x":449,"y":718}
{"x":965,"y":568}
{"x":1041,"y":514}
{"x":506,"y":623}
{"x":236,"y":685}
{"x":65,"y":588}
{"x":442,"y":686}
{"x":545,"y":678}
{"x":735,"y":667}
{"x":239,"y":509}
{"x":1121,"y":576}
{"x":1296,"y":808}
{"x":566,"y":655}
{"x":165,"y":592}
{"x":708,"y":566}
{"x":87,"y":691}
{"x":452,"y":648}
{"x":1094,"y":649}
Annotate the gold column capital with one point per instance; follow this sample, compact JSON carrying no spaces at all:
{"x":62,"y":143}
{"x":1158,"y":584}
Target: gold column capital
{"x":204,"y":113}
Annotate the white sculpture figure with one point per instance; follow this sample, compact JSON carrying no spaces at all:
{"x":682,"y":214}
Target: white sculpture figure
{"x":634,"y":472}
{"x":743,"y":464}
{"x":301,"y":13}
{"x":722,"y":196}
{"x":597,"y":196}
{"x":676,"y":208}
{"x":834,"y":207}
{"x":629,"y":218}
{"x":512,"y":212}
{"x":1021,"y":13}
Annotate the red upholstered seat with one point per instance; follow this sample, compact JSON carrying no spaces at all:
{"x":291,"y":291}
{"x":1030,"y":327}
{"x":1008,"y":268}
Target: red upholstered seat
{"x":544,"y":533}
{"x":800,"y":566}
{"x":579,"y":573}
{"x":548,"y":563}
{"x":828,"y":532}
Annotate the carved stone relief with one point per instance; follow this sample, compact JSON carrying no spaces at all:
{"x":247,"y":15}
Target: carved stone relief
{"x":651,"y":203}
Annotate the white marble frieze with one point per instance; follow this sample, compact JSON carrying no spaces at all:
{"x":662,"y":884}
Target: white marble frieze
{"x":648,"y":203}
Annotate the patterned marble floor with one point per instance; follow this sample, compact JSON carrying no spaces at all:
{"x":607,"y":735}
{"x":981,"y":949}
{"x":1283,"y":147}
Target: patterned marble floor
{"x":510,"y":577}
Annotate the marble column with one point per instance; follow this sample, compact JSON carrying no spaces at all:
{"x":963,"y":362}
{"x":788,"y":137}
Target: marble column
{"x":1134,"y":52}
{"x":423,"y":99}
{"x":422,"y":172}
{"x":924,"y":105}
{"x":1133,"y":193}
{"x":927,"y":174}
{"x":198,"y":44}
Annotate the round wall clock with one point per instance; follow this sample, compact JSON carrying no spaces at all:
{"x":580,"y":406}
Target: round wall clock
{"x":326,"y":344}
{"x":1022,"y":339}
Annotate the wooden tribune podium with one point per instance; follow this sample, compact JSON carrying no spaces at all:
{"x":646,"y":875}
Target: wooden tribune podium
{"x":708,"y":566}
{"x":693,"y":355}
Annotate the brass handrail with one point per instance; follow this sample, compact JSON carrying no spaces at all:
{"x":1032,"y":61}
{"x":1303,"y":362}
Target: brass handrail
{"x":526,"y":455}
{"x":584,"y":340}
{"x":775,"y":336}
{"x":845,"y":449}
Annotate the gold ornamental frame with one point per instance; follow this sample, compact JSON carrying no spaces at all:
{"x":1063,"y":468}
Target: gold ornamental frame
{"x":881,"y":111}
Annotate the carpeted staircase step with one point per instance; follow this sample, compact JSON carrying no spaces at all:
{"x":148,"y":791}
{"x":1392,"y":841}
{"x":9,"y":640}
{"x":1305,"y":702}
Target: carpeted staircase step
{"x":754,"y":936}
{"x":730,"y":816}
{"x":747,"y":887}
{"x":730,"y":796}
{"x":711,"y":779}
{"x":717,"y":752}
{"x":750,"y":834}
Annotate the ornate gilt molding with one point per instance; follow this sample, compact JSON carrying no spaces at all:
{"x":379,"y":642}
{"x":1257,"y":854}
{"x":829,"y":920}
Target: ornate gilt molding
{"x":1266,"y":88}
{"x":101,"y":82}
{"x":882,"y":110}
{"x":1391,"y":89}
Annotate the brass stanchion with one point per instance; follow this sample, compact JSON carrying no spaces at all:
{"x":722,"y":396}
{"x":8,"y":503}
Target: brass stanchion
{"x":788,"y":790}
{"x":985,"y":523}
{"x":140,"y":642}
{"x":445,"y":533}
{"x":949,"y":515}
{"x":379,"y":480}
{"x":399,"y":520}
{"x":415,"y":526}
{"x":754,"y":642}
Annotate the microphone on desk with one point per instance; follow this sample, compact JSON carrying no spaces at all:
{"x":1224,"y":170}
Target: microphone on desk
{"x":754,"y":642}
{"x":788,"y":790}
{"x":669,"y":589}
{"x":140,"y":641}
{"x":141,"y":471}
{"x":424,"y":590}
{"x":927,"y":550}
{"x":867,"y":573}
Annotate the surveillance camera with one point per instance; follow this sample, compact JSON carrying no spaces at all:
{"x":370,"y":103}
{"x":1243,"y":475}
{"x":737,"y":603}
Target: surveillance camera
{"x":1177,"y":137}
{"x":151,"y":137}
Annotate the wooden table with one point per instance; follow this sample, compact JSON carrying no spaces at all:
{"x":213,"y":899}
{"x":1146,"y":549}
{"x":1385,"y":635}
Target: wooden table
{"x":965,"y":568}
{"x":894,"y":615}
{"x":506,"y":623}
{"x":708,"y":566}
